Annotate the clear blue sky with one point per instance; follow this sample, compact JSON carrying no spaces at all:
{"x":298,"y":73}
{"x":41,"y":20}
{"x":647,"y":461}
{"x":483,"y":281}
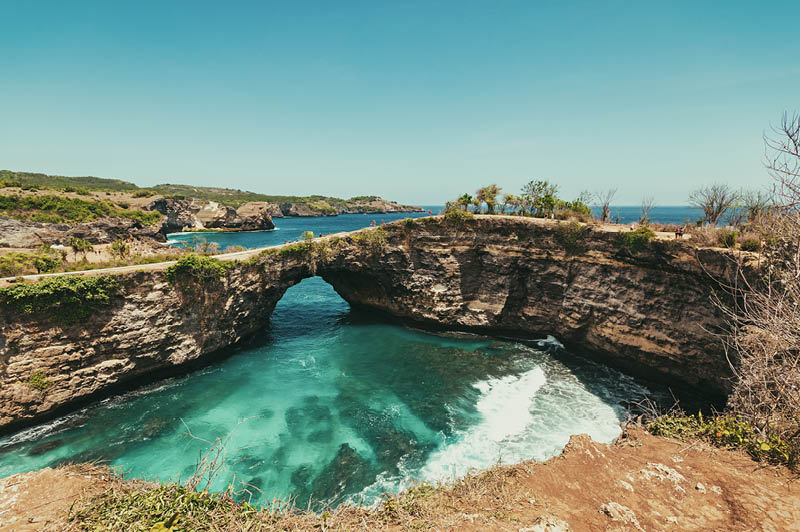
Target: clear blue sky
{"x":415,"y":101}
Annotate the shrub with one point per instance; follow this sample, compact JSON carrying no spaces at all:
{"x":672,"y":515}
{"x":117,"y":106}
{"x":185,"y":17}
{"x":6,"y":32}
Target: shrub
{"x":297,"y":250}
{"x":120,"y":248}
{"x":750,"y":244}
{"x":58,"y":209}
{"x":123,"y":204}
{"x":725,"y":431}
{"x":307,"y":235}
{"x":635,"y":241}
{"x":80,"y":245}
{"x":197,"y":268}
{"x":66,"y":299}
{"x":38,"y":381}
{"x":142,"y":193}
{"x":22,"y":263}
{"x":572,"y":236}
{"x":457,"y":217}
{"x":727,"y":238}
{"x":373,"y":239}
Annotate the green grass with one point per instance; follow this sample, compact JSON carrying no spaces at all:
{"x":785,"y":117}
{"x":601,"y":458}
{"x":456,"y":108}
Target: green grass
{"x":65,"y":299}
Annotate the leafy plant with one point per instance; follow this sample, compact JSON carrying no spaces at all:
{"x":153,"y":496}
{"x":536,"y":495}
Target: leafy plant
{"x":66,"y":299}
{"x":197,"y":268}
{"x":572,"y":237}
{"x":457,"y":217}
{"x":727,"y":238}
{"x":307,"y":235}
{"x":635,"y":241}
{"x":119,"y":248}
{"x":38,"y":381}
{"x":750,"y":244}
{"x":373,"y":239}
{"x":725,"y":431}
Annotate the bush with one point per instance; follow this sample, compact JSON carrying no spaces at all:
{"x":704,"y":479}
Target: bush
{"x":80,"y":245}
{"x":58,"y":209}
{"x":457,"y":217}
{"x":23,"y":263}
{"x":38,"y":381}
{"x":727,"y":431}
{"x":571,"y":236}
{"x":197,"y":268}
{"x":373,"y":239}
{"x":307,"y":235}
{"x":120,"y":249}
{"x":66,"y":299}
{"x":142,"y":193}
{"x":750,"y":244}
{"x":635,"y":241}
{"x":727,"y":238}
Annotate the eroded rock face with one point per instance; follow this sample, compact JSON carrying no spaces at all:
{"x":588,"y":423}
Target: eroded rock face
{"x":648,"y":313}
{"x":23,"y":234}
{"x":152,"y":327}
{"x":183,"y":214}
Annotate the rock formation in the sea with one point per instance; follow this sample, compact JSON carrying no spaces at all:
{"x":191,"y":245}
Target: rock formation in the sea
{"x":25,"y":234}
{"x":187,"y":214}
{"x":646,"y":311}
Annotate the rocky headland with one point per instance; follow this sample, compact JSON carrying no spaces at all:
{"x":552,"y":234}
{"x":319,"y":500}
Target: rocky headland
{"x":645,"y":310}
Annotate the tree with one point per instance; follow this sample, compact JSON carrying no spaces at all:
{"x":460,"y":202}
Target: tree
{"x":465,"y":201}
{"x":488,"y":195}
{"x":80,"y":245}
{"x":764,"y":314}
{"x":714,"y":200}
{"x":647,"y":205}
{"x":508,"y":200}
{"x":603,"y":200}
{"x":540,"y":197}
{"x":120,"y":249}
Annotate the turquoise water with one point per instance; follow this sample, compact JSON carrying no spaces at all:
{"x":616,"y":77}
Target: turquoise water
{"x":333,"y":404}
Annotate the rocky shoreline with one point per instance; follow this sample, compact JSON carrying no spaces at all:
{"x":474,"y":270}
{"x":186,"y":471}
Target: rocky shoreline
{"x":648,"y":313}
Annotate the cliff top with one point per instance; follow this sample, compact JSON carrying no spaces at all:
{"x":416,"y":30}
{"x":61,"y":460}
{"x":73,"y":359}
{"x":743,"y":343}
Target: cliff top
{"x":640,"y":482}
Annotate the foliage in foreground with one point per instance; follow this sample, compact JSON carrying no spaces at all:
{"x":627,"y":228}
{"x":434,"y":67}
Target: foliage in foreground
{"x":727,"y":431}
{"x":66,"y":299}
{"x":197,"y":268}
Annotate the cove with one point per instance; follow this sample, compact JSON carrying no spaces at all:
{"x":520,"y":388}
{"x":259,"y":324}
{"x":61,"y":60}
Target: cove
{"x":334,"y":404}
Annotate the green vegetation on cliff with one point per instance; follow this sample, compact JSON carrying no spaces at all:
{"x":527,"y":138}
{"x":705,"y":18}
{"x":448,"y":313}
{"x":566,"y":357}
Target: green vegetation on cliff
{"x":197,"y":268}
{"x":57,"y":209}
{"x":9,"y":178}
{"x":65,"y":299}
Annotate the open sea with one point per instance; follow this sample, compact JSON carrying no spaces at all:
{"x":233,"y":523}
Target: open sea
{"x":330,"y":404}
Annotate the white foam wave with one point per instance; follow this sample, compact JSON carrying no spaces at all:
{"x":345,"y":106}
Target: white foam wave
{"x":505,"y":409}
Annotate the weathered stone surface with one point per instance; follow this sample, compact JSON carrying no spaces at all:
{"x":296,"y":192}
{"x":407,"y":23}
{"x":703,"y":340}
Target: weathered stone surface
{"x":181,"y":214}
{"x":648,"y":313}
{"x":22,"y":234}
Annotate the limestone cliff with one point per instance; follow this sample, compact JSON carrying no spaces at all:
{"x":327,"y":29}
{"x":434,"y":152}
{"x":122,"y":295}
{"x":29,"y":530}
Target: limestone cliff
{"x":647,"y":312}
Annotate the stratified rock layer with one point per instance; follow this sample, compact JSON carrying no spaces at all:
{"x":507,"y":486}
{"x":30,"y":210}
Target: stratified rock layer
{"x":647,"y":312}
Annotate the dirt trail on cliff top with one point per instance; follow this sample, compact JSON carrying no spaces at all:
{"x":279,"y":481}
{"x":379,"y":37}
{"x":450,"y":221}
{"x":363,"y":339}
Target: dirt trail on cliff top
{"x":640,"y":483}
